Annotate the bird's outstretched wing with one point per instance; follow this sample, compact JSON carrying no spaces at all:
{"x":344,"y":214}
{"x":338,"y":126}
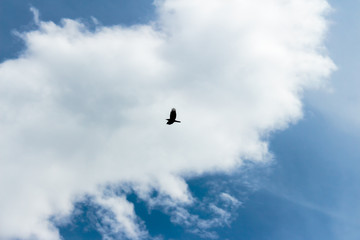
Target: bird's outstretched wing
{"x":173,"y":114}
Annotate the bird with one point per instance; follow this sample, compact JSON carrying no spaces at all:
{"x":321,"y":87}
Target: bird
{"x":172,"y":118}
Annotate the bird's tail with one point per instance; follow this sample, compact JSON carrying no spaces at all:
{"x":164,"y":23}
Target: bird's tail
{"x":177,"y":121}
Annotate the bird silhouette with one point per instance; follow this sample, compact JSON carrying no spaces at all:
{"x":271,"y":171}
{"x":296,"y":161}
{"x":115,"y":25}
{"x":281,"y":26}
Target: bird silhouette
{"x":172,"y":118}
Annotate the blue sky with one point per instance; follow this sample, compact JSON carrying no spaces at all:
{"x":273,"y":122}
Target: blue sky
{"x":307,"y":189}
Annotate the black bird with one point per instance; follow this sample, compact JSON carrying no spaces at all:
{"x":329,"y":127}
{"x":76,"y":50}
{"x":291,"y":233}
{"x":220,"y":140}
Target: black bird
{"x":172,"y":118}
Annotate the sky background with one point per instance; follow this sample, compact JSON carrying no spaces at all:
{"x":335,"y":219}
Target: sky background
{"x":309,"y":189}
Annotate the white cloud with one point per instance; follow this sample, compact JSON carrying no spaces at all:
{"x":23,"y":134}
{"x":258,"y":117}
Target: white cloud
{"x":36,"y":15}
{"x":230,"y":200}
{"x":123,"y":223}
{"x":81,"y":109}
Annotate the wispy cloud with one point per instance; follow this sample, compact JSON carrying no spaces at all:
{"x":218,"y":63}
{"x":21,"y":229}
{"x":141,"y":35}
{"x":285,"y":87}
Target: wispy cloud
{"x":119,"y":219}
{"x":81,"y":109}
{"x":36,"y":15}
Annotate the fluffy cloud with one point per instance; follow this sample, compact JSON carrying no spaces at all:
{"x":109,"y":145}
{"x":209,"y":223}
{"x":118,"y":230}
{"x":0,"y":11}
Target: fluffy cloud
{"x":80,"y":109}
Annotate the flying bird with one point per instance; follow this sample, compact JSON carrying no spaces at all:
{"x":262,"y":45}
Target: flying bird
{"x":172,"y":118}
